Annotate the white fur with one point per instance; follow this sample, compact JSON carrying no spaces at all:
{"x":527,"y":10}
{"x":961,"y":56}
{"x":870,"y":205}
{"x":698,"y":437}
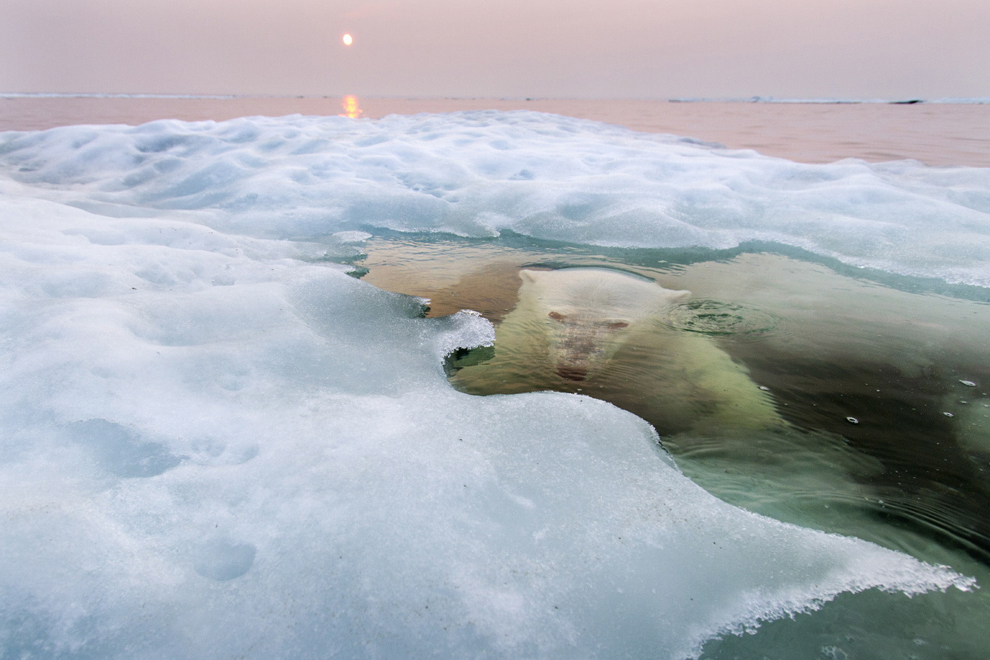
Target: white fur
{"x":604,"y":332}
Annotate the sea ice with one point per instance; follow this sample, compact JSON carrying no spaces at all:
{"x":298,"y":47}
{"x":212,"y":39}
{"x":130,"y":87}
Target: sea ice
{"x":482,"y":173}
{"x":214,"y":442}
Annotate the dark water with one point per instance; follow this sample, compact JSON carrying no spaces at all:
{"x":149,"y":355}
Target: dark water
{"x":876,"y":434}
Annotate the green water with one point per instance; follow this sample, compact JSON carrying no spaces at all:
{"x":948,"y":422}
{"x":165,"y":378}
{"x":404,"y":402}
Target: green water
{"x":877,"y":391}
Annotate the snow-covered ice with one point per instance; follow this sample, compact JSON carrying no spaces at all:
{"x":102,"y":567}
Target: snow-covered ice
{"x":482,"y":173}
{"x":216,"y":443}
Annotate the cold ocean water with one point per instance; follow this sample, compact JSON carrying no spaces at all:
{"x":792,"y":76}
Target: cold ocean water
{"x":227,"y":432}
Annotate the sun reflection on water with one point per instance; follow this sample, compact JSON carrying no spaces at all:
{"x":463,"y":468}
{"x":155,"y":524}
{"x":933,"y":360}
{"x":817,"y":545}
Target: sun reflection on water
{"x":350,"y":106}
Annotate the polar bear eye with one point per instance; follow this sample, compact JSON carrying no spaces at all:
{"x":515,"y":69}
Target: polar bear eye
{"x":556,"y":316}
{"x":617,"y":325}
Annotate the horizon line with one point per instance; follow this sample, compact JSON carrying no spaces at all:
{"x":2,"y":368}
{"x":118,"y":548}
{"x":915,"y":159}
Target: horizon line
{"x":979,"y":100}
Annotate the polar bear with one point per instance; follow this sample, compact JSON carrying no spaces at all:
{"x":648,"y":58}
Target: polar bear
{"x":606,"y":333}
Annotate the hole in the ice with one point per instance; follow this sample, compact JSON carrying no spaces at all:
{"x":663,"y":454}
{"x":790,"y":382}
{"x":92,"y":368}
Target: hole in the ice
{"x":467,"y":357}
{"x":121,"y":451}
{"x":223,"y":559}
{"x":212,"y":451}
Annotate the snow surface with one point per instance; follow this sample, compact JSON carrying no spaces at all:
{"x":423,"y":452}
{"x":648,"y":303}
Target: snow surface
{"x":216,"y":443}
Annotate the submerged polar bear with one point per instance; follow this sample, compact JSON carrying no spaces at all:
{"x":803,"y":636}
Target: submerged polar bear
{"x":606,"y":333}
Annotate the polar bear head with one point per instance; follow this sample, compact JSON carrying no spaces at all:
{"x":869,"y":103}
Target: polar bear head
{"x":588,"y":311}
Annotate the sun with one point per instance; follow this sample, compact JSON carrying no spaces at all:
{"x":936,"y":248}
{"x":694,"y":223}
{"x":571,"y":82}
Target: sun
{"x":348,"y":40}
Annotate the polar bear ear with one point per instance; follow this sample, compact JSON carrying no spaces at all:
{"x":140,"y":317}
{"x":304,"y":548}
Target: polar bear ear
{"x":528,"y":275}
{"x":678,"y":296}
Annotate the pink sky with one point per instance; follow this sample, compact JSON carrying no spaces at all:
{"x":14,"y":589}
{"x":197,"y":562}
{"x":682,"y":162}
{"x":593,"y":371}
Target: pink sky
{"x":514,"y":48}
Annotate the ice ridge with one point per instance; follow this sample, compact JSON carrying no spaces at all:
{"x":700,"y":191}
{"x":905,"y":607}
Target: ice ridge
{"x":480,"y":173}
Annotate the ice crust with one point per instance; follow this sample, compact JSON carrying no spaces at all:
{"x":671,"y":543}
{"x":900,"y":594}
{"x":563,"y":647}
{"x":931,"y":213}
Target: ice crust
{"x":216,"y":443}
{"x":549,"y":177}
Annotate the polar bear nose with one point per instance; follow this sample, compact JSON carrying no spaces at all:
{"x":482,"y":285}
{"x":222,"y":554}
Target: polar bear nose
{"x":576,"y":374}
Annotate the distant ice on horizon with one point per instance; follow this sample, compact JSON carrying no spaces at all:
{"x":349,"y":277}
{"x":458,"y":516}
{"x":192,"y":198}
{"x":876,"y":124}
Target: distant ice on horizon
{"x":750,"y":99}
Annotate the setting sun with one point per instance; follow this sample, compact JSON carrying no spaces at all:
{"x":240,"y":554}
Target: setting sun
{"x":348,"y":40}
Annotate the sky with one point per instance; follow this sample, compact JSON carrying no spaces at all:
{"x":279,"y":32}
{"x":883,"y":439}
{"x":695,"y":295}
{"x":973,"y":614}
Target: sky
{"x":890,"y":49}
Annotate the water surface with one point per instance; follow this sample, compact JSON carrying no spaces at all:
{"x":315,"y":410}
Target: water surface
{"x":936,"y":134}
{"x":883,"y":391}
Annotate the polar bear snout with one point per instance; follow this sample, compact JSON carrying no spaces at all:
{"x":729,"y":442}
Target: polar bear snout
{"x":581,"y":343}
